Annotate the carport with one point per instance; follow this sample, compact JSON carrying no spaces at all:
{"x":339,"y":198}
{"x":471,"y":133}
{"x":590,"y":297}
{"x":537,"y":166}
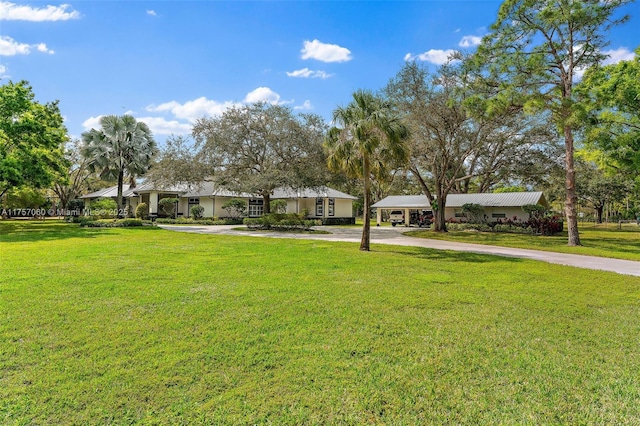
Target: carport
{"x":405,"y":203}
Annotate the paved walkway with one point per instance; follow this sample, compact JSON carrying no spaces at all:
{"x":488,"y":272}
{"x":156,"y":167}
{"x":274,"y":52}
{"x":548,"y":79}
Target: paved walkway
{"x":394,"y":236}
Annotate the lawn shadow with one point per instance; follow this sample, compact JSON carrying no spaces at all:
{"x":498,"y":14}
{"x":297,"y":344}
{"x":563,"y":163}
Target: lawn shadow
{"x":431,"y":254}
{"x":27,"y":230}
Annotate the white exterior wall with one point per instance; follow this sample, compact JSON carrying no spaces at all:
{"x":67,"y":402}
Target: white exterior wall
{"x":153,"y":203}
{"x":509,"y":213}
{"x":343,"y":208}
{"x":207,"y":204}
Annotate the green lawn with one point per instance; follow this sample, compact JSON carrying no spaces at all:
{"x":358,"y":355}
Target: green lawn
{"x":597,"y":240}
{"x":147,"y":326}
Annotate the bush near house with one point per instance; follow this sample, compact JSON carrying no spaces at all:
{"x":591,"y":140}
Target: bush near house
{"x":111,"y":223}
{"x":281,"y":222}
{"x":203,"y":221}
{"x":168,"y":206}
{"x":142,"y":211}
{"x":541,"y":222}
{"x":197,"y":212}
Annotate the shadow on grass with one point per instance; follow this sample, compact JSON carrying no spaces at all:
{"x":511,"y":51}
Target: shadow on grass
{"x":27,"y":230}
{"x":434,"y":255}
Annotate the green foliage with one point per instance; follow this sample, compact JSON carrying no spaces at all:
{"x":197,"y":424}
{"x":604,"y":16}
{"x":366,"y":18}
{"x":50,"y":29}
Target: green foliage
{"x":369,"y":140}
{"x":259,"y":147}
{"x":32,"y":137}
{"x":278,"y":206}
{"x":534,"y":209}
{"x":281,"y":222}
{"x":197,"y":212}
{"x":142,"y":211}
{"x":24,"y":198}
{"x":235,"y":207}
{"x":168,"y":206}
{"x":474,"y":212}
{"x":190,"y":221}
{"x":610,"y":95}
{"x":122,"y":146}
{"x":104,"y":208}
{"x":111,"y":223}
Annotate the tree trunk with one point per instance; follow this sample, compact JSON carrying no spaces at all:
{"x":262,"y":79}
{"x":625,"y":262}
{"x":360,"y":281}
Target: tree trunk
{"x":266,"y":202}
{"x":599,"y":210}
{"x":366,"y":228}
{"x":441,"y":221}
{"x":119,"y":198}
{"x":571,"y":199}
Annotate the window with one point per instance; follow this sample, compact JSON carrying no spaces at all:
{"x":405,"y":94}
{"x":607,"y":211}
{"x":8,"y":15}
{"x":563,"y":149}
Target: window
{"x":498,"y":215}
{"x":319,"y":207}
{"x":194,"y":201}
{"x":256,"y":207}
{"x":332,"y":205}
{"x":458,"y":213}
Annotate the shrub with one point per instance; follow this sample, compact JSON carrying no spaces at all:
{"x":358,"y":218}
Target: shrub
{"x":110,"y":223}
{"x":104,"y":208}
{"x":280,"y":222}
{"x":278,"y":206}
{"x":142,"y":211}
{"x":168,"y":206}
{"x":235,"y":207}
{"x":197,"y":212}
{"x":473,"y":212}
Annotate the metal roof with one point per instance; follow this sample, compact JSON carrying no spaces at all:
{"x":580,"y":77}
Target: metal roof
{"x":506,"y":199}
{"x":110,"y":192}
{"x":208,"y":189}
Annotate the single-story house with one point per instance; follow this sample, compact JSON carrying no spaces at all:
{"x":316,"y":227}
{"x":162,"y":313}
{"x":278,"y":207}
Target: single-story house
{"x":496,"y":205}
{"x":327,"y":204}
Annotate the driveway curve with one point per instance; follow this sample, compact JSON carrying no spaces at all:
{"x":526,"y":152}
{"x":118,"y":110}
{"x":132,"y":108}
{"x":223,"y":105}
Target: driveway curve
{"x":394,"y":236}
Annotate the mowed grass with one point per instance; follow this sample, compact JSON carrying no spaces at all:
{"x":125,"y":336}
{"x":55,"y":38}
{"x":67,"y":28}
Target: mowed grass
{"x":146,"y":326}
{"x":603,"y":240}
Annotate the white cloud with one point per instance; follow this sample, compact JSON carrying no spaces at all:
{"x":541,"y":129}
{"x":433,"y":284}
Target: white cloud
{"x":10,"y":47}
{"x":457,"y":30}
{"x":434,"y":56}
{"x":617,"y":55}
{"x":263,"y":94}
{"x":92,"y":123}
{"x":325,"y":52}
{"x":161,"y":126}
{"x":158,"y":125}
{"x":43,"y":48}
{"x":305,"y":106}
{"x":307,"y":73}
{"x":3,"y":72}
{"x":152,"y":13}
{"x":469,"y":41}
{"x":192,"y":110}
{"x":13,"y":12}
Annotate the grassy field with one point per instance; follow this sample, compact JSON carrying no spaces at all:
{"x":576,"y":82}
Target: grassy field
{"x":604,"y":240}
{"x":147,"y":326}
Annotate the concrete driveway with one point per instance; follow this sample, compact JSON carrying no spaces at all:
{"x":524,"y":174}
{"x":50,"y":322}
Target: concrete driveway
{"x":394,"y":236}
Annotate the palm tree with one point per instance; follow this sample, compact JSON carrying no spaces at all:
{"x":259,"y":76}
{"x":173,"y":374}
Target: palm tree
{"x":370,"y":138}
{"x":122,"y":146}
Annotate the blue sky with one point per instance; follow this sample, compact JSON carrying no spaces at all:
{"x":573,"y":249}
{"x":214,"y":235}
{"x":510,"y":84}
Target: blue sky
{"x":171,"y":62}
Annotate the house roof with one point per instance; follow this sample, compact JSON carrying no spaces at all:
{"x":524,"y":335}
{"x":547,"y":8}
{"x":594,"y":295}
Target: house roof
{"x":110,"y":192}
{"x":403,"y":202}
{"x":208,"y":189}
{"x":506,"y":199}
{"x":322,"y":192}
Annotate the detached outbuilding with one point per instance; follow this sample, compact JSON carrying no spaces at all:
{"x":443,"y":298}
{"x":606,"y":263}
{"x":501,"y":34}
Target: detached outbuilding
{"x":496,"y":205}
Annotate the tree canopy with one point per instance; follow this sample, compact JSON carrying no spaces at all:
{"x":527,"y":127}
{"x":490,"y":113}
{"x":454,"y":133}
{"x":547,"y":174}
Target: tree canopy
{"x":611,"y":97}
{"x":32,"y":138}
{"x":368,"y":139}
{"x":122,"y":146}
{"x":259,"y":147}
{"x":534,"y":51}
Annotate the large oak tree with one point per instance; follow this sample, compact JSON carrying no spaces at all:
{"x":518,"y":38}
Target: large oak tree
{"x":259,"y":147}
